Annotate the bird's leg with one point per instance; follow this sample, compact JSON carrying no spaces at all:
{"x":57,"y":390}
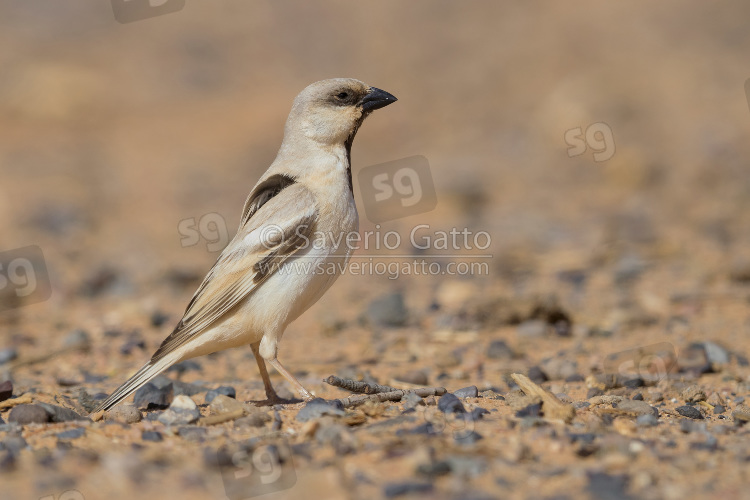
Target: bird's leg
{"x":280,"y":368}
{"x":273,"y":398}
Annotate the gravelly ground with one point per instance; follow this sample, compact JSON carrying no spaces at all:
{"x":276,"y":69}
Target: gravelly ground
{"x":621,"y":286}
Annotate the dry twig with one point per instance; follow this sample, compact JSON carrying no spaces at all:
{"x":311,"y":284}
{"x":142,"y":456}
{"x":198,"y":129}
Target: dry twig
{"x":358,"y":387}
{"x":554,"y":409}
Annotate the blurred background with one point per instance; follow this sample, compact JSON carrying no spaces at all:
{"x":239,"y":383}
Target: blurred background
{"x":113,"y":135}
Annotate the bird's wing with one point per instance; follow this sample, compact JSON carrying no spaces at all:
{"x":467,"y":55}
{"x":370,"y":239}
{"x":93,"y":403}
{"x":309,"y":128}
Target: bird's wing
{"x":278,"y":219}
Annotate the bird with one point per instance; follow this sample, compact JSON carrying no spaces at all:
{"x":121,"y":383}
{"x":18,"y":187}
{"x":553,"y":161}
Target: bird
{"x":259,"y":285}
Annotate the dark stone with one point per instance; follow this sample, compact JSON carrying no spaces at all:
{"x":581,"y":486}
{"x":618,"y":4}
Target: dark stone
{"x":710,"y":444}
{"x":593,"y":392}
{"x":433,"y":469}
{"x":719,"y":409}
{"x":6,"y":390}
{"x":154,"y":436}
{"x":638,"y":397}
{"x":151,"y":397}
{"x":224,"y":390}
{"x":498,"y":349}
{"x":185,"y":366}
{"x":28,"y":414}
{"x":192,"y":433}
{"x":537,"y":375}
{"x":604,"y":486}
{"x":466,"y":438}
{"x":477,"y":414}
{"x":71,"y":434}
{"x":690,"y":412}
{"x":647,"y":420}
{"x":388,"y":310}
{"x":13,"y":443}
{"x":449,"y":403}
{"x":7,"y":461}
{"x":158,"y":319}
{"x":425,"y":429}
{"x":467,"y":392}
{"x":60,"y":414}
{"x":393,"y":490}
{"x":131,"y":345}
{"x":319,"y":407}
{"x":533,"y":410}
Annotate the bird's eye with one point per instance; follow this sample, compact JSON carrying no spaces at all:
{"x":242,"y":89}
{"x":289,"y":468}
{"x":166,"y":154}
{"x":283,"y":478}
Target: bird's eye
{"x":342,"y":95}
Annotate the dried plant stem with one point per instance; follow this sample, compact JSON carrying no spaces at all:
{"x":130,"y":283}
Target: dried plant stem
{"x":358,"y":387}
{"x":396,"y":395}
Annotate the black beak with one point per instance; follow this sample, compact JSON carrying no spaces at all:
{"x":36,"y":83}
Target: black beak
{"x":376,"y":99}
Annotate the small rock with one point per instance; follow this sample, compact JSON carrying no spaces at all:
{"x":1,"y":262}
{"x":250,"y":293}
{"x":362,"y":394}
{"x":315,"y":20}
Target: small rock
{"x":151,"y":397}
{"x":694,"y":360}
{"x":605,"y":486}
{"x":532,"y":329}
{"x":7,"y":461}
{"x":185,"y":366}
{"x":393,"y":490}
{"x":533,"y":410}
{"x":388,"y":310}
{"x":319,"y":407}
{"x":338,"y":436}
{"x":741,"y":414}
{"x":6,"y":390}
{"x":183,"y":410}
{"x":693,"y":394}
{"x":688,"y":426}
{"x":224,"y":404}
{"x":8,"y":354}
{"x":223,"y":390}
{"x":716,"y":354}
{"x":126,"y":413}
{"x":154,"y":436}
{"x":719,"y":410}
{"x":411,"y":400}
{"x":647,"y":420}
{"x":558,"y":368}
{"x":258,"y":419}
{"x":60,"y":414}
{"x":467,"y":392}
{"x":77,"y":339}
{"x":158,"y":318}
{"x":689,"y":412}
{"x":477,"y":414}
{"x":28,"y":414}
{"x":715,"y":399}
{"x":467,"y":438}
{"x":192,"y":433}
{"x":635,"y":408}
{"x":498,"y":349}
{"x":449,"y":403}
{"x":71,"y":434}
{"x":537,"y":375}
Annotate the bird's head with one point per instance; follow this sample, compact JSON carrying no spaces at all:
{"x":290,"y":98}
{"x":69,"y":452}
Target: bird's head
{"x":331,"y":111}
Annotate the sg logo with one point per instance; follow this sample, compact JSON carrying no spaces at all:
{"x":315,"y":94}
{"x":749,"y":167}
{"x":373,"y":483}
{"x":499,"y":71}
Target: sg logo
{"x":23,"y":278}
{"x":128,"y":11}
{"x":598,"y":137}
{"x":397,"y":189}
{"x":262,"y":470}
{"x":211,"y":226}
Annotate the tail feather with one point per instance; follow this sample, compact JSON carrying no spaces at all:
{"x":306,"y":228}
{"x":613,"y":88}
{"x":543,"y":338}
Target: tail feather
{"x":141,"y":378}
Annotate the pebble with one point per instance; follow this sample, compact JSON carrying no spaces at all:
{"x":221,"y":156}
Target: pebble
{"x":13,"y":443}
{"x":498,"y":349}
{"x":185,"y":366}
{"x":6,"y":390}
{"x":532,"y":410}
{"x":60,"y":414}
{"x":532,"y":329}
{"x":411,"y":400}
{"x":647,"y":420}
{"x":716,"y":354}
{"x":126,"y":413}
{"x":636,"y":408}
{"x":28,"y":414}
{"x":71,"y":434}
{"x":152,"y":397}
{"x":224,"y":390}
{"x":78,"y":339}
{"x":537,"y":375}
{"x":467,"y":392}
{"x":192,"y":433}
{"x":154,"y":436}
{"x":688,"y":426}
{"x":719,"y":410}
{"x":183,"y":410}
{"x":338,"y":436}
{"x":258,"y":419}
{"x":393,"y":490}
{"x":741,"y":414}
{"x":158,"y":318}
{"x":467,"y":438}
{"x":606,"y":486}
{"x":8,"y":354}
{"x":388,"y":310}
{"x":449,"y":403}
{"x":319,"y":407}
{"x":477,"y":414}
{"x":689,"y":412}
{"x":558,"y":368}
{"x":693,"y":394}
{"x":224,"y":404}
